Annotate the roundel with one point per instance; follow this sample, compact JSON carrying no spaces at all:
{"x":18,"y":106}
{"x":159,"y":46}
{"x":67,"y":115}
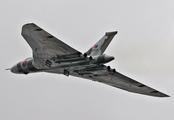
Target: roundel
{"x":95,"y":46}
{"x":24,"y":63}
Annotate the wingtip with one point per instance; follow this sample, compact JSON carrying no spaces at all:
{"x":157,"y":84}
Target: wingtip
{"x":164,"y":95}
{"x":111,"y":33}
{"x":167,"y":96}
{"x":28,"y":24}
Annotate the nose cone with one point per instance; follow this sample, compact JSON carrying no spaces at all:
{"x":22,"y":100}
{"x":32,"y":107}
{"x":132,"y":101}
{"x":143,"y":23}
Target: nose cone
{"x":108,"y":58}
{"x":14,"y":69}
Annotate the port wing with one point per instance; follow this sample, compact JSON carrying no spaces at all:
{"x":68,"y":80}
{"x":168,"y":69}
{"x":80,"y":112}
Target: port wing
{"x":109,"y":76}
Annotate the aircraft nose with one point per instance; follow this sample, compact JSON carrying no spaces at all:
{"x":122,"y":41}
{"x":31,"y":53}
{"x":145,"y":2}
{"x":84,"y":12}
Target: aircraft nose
{"x":14,"y":69}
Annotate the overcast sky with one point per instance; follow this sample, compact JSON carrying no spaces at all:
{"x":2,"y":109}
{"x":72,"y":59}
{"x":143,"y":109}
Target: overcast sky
{"x":143,"y":50}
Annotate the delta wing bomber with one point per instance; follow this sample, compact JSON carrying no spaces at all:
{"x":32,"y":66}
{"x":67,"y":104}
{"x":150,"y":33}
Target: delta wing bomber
{"x":54,"y":56}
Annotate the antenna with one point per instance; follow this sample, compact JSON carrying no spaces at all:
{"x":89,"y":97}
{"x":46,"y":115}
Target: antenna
{"x":8,"y":69}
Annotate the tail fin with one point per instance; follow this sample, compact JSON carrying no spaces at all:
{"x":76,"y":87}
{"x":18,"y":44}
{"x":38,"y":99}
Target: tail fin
{"x":102,"y":44}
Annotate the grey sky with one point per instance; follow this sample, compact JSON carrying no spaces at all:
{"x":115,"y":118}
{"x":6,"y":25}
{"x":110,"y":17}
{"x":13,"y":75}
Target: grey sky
{"x":143,"y":49}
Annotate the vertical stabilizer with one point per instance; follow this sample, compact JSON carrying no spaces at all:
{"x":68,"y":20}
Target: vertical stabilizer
{"x":102,"y":44}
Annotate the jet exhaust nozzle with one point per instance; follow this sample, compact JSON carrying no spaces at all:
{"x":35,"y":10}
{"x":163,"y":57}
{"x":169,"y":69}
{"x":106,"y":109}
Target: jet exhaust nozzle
{"x":102,"y":58}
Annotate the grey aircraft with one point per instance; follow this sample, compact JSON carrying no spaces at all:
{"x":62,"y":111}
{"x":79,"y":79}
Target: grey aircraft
{"x":54,"y":56}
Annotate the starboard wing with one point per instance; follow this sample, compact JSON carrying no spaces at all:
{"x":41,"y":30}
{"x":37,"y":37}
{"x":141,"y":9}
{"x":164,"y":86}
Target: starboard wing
{"x":44,"y":45}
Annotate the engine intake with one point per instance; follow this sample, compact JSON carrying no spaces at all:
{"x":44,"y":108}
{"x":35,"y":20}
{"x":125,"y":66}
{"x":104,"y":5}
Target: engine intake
{"x":85,"y":55}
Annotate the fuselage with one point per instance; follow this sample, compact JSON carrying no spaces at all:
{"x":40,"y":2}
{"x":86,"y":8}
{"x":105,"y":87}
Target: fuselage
{"x":27,"y":66}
